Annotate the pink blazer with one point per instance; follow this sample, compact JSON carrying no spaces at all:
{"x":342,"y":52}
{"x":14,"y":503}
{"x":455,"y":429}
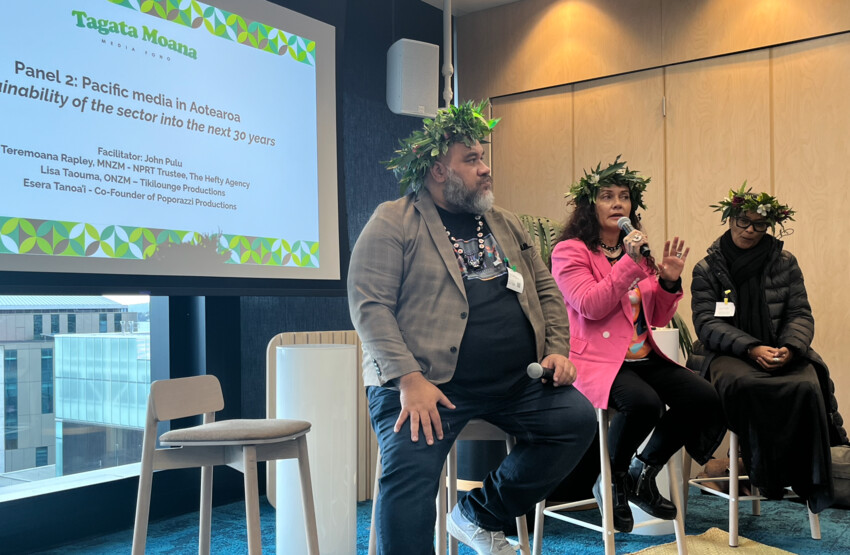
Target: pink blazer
{"x":601,"y":326}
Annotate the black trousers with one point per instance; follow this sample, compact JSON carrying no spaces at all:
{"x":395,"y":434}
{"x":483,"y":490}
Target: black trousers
{"x":682,"y":407}
{"x":780,"y":418}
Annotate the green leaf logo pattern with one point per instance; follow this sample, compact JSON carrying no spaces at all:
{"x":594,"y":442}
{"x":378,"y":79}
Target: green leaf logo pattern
{"x":227,"y":25}
{"x":85,"y":240}
{"x":263,"y":251}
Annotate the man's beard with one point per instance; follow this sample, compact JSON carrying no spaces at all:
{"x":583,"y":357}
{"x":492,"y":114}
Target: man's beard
{"x":457,"y":195}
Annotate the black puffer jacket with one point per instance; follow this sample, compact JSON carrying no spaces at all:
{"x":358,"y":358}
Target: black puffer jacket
{"x":791,"y":320}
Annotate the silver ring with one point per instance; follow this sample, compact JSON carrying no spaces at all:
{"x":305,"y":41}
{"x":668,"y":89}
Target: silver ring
{"x":775,"y":359}
{"x":637,"y":238}
{"x":679,"y":254}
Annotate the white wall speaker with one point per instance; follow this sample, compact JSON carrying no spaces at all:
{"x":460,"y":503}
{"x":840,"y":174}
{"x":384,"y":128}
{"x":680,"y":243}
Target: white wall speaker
{"x":413,"y":78}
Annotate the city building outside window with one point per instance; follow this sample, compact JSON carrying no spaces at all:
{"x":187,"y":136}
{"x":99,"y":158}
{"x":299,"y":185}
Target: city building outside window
{"x":37,"y":327}
{"x":10,"y":398}
{"x":46,"y":381}
{"x":41,"y":456}
{"x":92,"y":384}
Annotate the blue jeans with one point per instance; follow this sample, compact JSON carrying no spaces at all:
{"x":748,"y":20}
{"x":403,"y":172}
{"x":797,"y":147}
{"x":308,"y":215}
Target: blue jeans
{"x":553,"y":428}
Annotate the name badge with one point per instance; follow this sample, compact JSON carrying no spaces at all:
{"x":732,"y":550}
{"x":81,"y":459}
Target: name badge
{"x":724,"y":310}
{"x":515,"y":281}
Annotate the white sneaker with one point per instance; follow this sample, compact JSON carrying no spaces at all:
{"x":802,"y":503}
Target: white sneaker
{"x":484,"y":542}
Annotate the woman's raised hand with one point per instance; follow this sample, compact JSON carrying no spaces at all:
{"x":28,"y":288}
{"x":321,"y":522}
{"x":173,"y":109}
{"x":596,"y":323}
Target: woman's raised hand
{"x":673,"y":259}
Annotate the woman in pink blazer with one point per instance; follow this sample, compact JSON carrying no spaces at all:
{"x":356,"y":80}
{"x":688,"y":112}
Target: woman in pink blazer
{"x":615,"y":293}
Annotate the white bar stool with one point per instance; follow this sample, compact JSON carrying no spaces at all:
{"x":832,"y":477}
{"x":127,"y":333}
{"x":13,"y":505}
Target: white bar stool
{"x":674,"y":469}
{"x":734,"y":497}
{"x":475,"y":429}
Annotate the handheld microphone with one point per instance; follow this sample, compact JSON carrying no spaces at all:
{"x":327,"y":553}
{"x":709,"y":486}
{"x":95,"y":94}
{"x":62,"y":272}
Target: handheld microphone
{"x":625,"y":224}
{"x":536,"y":372}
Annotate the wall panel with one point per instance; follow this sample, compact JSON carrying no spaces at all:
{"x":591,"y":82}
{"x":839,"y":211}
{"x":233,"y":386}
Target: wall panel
{"x":695,"y":29}
{"x":812,"y":142}
{"x":718,"y":135}
{"x":531,"y":152}
{"x":622,"y":115}
{"x":542,"y":43}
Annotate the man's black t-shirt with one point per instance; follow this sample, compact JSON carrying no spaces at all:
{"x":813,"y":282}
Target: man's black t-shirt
{"x":498,"y":343}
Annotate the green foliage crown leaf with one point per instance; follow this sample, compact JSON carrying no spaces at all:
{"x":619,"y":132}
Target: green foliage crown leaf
{"x":418,"y":152}
{"x":743,"y":200}
{"x":616,"y":174}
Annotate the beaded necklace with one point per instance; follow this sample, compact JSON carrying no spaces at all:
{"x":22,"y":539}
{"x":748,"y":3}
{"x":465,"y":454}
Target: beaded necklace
{"x":473,"y":260}
{"x":612,"y":250}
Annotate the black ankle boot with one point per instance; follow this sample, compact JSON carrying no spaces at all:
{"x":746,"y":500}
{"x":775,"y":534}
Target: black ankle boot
{"x":620,"y":486}
{"x":645,"y":493}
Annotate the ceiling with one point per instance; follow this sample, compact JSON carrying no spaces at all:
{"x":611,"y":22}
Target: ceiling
{"x":463,"y":7}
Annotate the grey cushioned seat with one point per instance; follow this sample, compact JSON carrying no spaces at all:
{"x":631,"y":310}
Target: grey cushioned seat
{"x":254,"y":430}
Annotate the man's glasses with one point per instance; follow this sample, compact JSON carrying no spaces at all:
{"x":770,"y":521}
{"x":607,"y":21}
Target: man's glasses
{"x":744,"y":223}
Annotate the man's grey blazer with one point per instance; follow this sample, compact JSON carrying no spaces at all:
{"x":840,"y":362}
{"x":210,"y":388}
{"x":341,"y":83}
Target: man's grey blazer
{"x":407,"y":298}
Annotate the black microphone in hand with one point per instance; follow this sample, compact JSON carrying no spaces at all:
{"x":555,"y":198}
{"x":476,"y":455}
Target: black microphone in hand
{"x":625,"y":224}
{"x":536,"y":372}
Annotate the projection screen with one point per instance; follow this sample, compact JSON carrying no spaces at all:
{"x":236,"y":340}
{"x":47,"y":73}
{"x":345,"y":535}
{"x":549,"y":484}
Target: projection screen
{"x":167,"y":138}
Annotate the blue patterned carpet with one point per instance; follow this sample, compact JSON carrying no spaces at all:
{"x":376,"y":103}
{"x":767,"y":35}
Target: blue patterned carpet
{"x":782,"y":524}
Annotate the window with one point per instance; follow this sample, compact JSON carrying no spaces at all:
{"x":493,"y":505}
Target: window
{"x":46,"y":381}
{"x":116,"y":325}
{"x":72,"y":401}
{"x":37,"y":327}
{"x":10,"y":397}
{"x":40,"y":456}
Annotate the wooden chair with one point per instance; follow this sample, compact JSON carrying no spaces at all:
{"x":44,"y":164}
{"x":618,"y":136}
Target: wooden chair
{"x":239,"y":444}
{"x":674,"y":469}
{"x":734,"y":495}
{"x":447,"y":496}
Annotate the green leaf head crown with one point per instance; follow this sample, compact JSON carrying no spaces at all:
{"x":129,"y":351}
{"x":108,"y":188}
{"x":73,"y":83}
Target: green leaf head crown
{"x":419,"y":151}
{"x":743,"y":200}
{"x":616,"y":174}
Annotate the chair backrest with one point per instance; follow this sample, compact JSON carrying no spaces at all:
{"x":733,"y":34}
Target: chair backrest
{"x":182,"y":397}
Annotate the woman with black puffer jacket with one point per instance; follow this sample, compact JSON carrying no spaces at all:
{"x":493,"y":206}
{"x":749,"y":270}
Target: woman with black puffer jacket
{"x":755,"y":329}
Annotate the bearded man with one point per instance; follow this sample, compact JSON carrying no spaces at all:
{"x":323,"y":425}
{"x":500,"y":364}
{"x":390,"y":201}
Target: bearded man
{"x":452,"y":303}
